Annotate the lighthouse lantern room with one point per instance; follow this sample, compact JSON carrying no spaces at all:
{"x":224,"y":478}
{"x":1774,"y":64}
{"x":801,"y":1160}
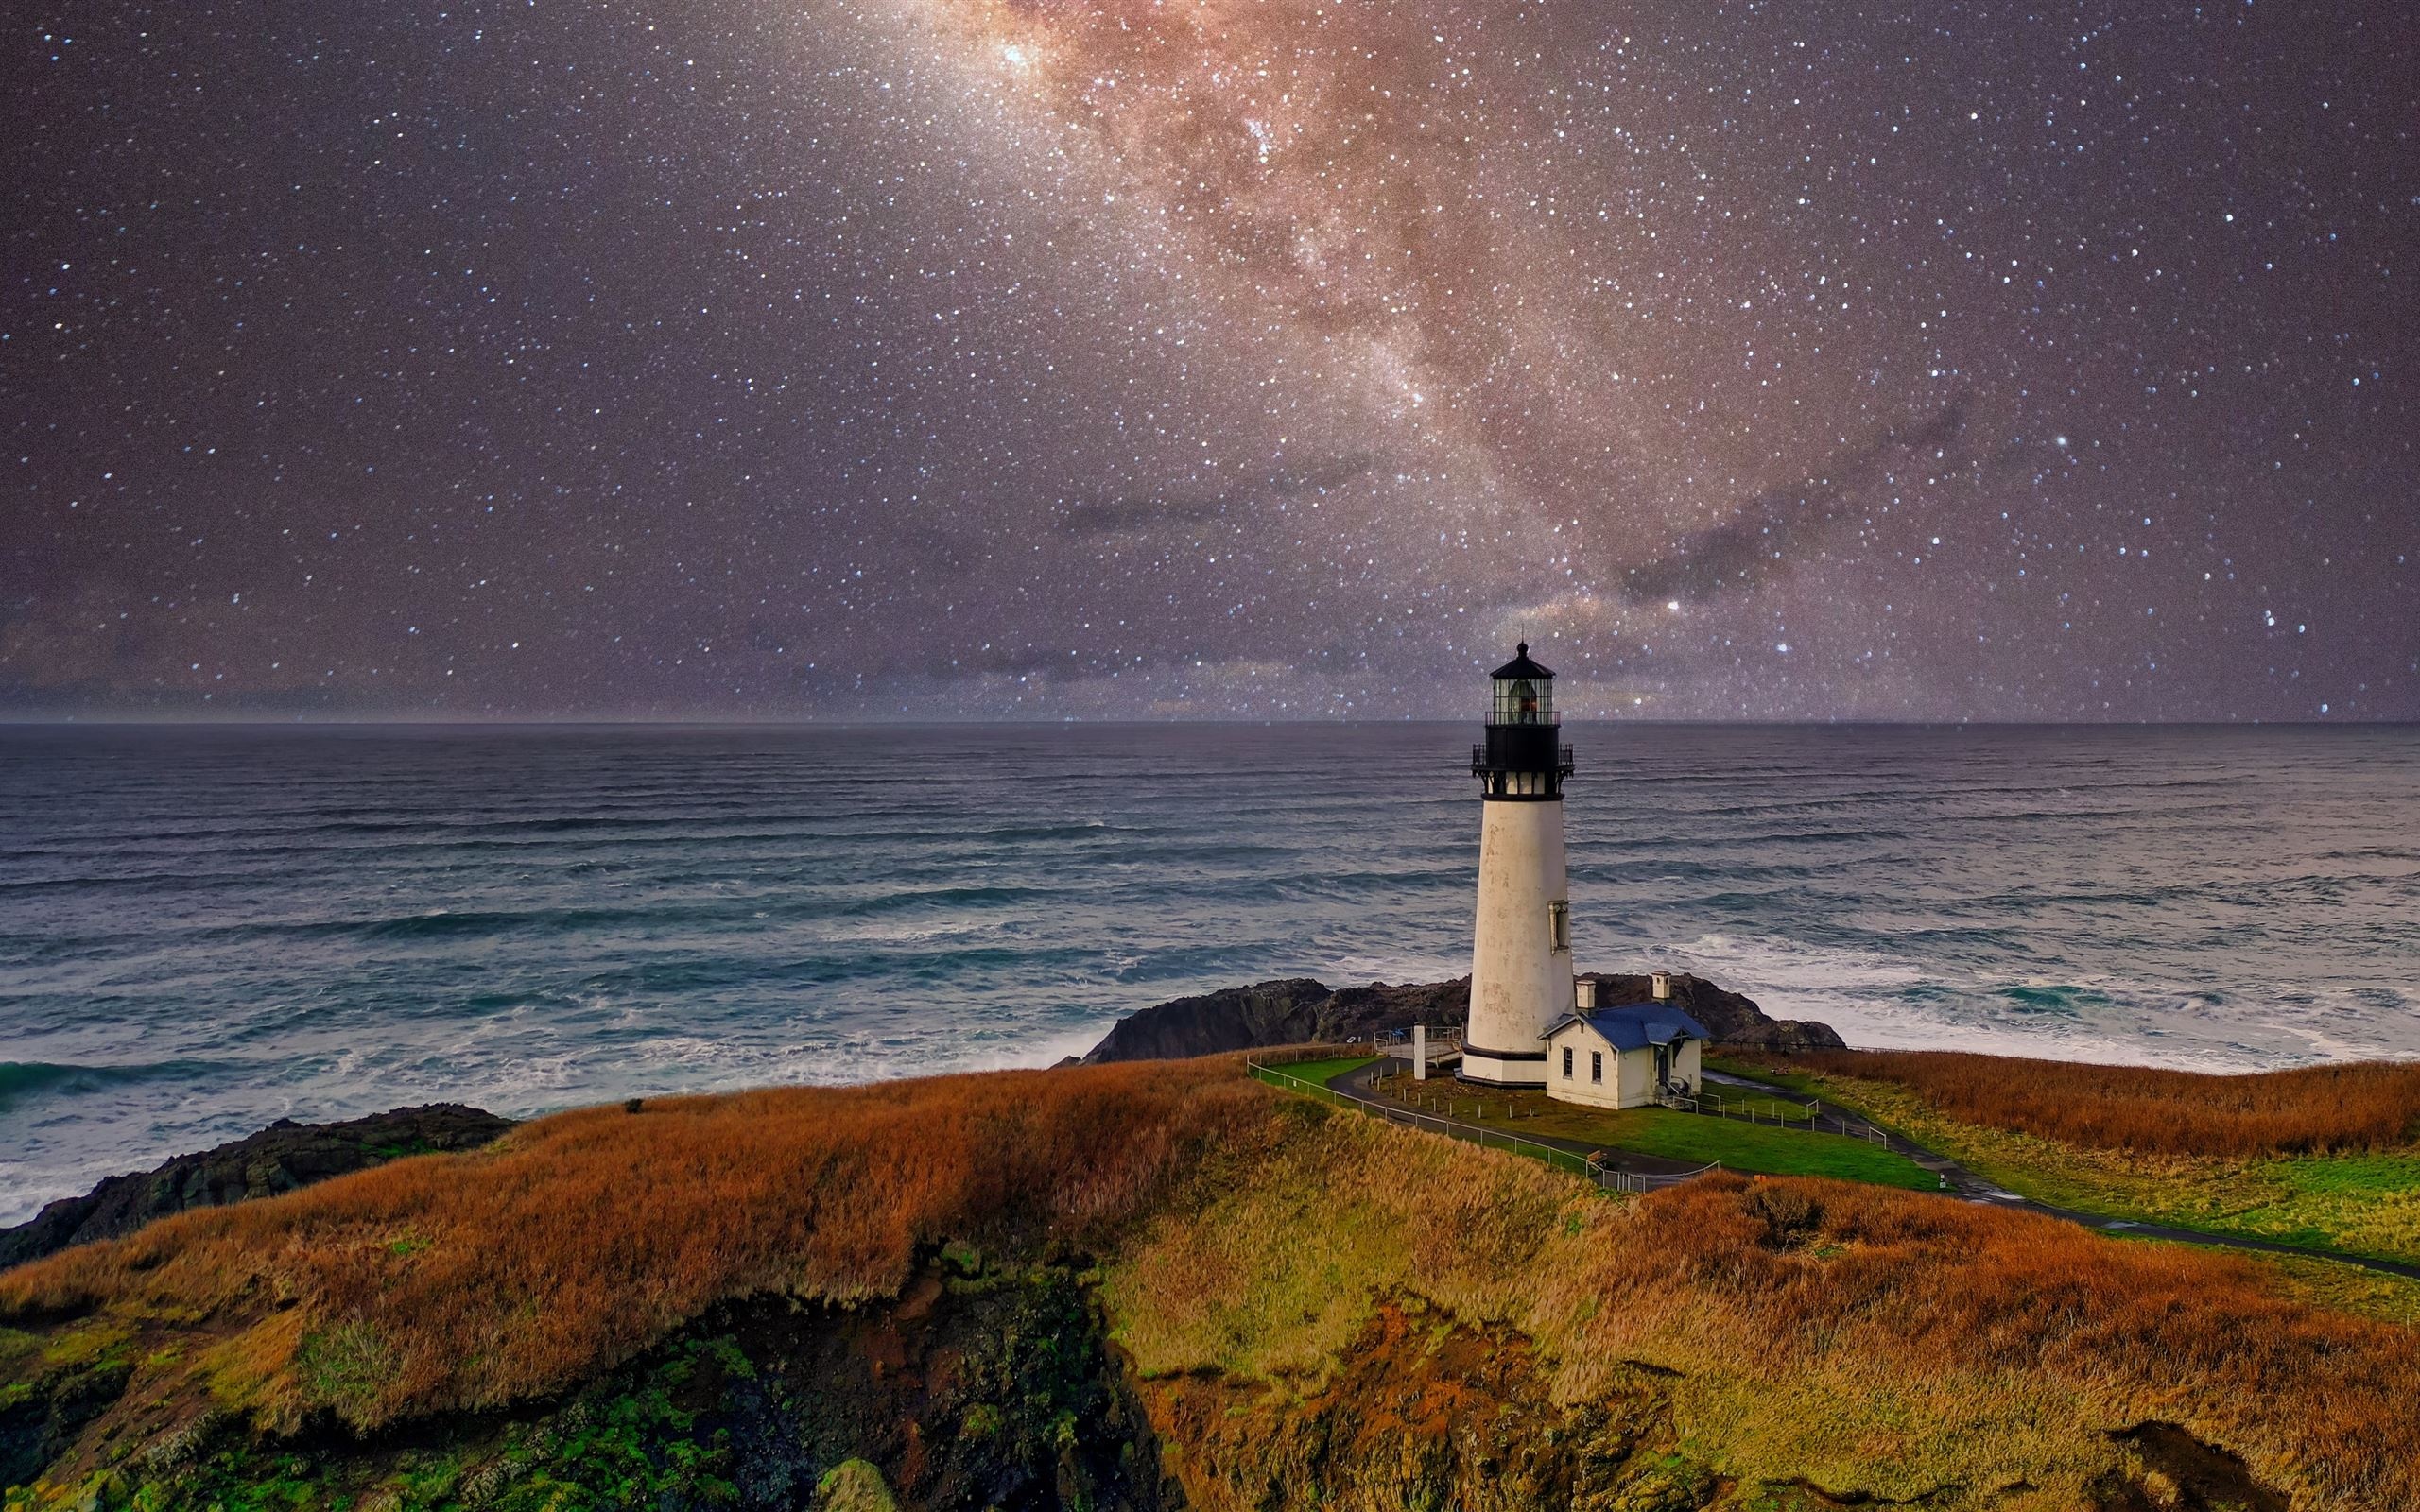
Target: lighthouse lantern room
{"x":1521,"y":979}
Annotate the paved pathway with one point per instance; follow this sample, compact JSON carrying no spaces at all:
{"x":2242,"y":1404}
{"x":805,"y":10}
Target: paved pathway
{"x":1956,"y":1180}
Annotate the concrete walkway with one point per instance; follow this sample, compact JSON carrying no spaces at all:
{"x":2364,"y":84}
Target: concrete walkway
{"x":1958,"y":1181}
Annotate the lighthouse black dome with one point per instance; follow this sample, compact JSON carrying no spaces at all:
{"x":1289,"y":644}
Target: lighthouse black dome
{"x":1524,"y":758}
{"x":1521,"y":666}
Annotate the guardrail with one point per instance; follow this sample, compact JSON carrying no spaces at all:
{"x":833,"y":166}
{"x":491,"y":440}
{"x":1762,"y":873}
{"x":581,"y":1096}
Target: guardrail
{"x":1716,"y":1105}
{"x":1437,"y":1038}
{"x":1562,"y":1160}
{"x":1870,"y":1132}
{"x":1484,"y":760}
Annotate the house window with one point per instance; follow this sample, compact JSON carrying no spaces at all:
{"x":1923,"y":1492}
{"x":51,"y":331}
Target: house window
{"x":1567,"y":1062}
{"x":1559,"y":924}
{"x":1596,"y":1065}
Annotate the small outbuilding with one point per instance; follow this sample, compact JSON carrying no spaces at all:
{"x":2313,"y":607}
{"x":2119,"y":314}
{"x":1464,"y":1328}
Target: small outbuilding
{"x":1624,"y":1057}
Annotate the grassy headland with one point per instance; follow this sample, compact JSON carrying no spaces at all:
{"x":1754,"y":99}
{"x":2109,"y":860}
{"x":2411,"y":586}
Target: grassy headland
{"x":1318,"y":1309}
{"x":2310,"y":1156}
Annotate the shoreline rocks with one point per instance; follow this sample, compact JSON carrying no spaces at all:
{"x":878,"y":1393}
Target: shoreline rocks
{"x":1298,"y":1010}
{"x":1301,"y":1011}
{"x":279,"y":1158}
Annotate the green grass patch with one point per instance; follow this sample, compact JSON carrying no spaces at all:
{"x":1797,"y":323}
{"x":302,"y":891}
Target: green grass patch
{"x":1804,"y":1085}
{"x":2352,"y":1176}
{"x":80,"y":1345}
{"x":1696,"y":1137}
{"x":1310,"y":1077}
{"x":1742,"y":1146}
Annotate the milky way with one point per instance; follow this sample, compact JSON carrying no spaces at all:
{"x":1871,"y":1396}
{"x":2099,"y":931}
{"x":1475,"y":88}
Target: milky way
{"x":944,"y":358}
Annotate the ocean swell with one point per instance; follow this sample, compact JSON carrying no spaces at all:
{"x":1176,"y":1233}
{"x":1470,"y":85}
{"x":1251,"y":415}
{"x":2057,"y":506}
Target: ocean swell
{"x":319,"y":925}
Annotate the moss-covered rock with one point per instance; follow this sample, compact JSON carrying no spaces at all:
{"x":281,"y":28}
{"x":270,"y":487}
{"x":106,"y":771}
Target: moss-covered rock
{"x":854,"y":1486}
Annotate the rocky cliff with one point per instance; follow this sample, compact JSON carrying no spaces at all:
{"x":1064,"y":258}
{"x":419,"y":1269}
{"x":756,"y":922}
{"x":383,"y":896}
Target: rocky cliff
{"x":1299,"y":1010}
{"x":279,"y":1158}
{"x":1291,"y":1012}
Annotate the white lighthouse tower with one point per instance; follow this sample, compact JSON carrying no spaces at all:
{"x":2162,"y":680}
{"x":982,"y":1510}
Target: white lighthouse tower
{"x":1521,"y":981}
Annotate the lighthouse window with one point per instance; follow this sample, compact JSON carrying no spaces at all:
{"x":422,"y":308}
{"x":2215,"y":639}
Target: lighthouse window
{"x":1523,"y":701}
{"x":1567,"y":1062}
{"x":1559,"y":924}
{"x":1596,"y":1065}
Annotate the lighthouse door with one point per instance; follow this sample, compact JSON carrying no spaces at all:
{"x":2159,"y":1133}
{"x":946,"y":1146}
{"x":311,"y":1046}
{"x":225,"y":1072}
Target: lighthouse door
{"x":1663,"y":1067}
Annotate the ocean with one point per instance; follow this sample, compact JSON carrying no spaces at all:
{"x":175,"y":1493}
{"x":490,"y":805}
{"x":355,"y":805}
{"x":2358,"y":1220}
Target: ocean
{"x":205,"y":930}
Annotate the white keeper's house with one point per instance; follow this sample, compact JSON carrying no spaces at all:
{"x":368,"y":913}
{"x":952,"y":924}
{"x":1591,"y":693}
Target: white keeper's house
{"x":1627,"y":1057}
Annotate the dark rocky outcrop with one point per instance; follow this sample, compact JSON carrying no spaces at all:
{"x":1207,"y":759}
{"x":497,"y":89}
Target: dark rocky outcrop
{"x":1732,"y":1018}
{"x":1355,"y":1012}
{"x":39,"y":1420}
{"x":1233,"y":1018}
{"x":1299,"y":1010}
{"x":279,"y":1158}
{"x":1293,"y":1012}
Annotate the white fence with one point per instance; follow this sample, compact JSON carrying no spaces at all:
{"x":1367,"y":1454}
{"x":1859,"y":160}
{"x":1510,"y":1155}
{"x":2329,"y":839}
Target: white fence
{"x":1780,"y":1115}
{"x":1747,"y":1108}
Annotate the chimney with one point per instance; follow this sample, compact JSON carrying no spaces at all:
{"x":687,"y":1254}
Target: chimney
{"x":1588,"y":993}
{"x":1662,"y":986}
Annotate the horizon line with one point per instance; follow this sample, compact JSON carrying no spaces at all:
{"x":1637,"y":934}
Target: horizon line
{"x":745,"y":722}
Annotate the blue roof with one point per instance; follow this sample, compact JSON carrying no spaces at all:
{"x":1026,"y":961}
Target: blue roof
{"x":1638,"y":1025}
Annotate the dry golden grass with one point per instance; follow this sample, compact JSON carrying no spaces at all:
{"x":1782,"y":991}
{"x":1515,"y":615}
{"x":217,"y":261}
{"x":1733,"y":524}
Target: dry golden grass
{"x":1859,"y":1336}
{"x":464,"y":1282}
{"x":2313,"y":1110}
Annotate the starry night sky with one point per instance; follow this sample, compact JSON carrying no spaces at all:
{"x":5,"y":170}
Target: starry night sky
{"x":1238,"y":358}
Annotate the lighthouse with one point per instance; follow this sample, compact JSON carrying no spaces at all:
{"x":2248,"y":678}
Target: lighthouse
{"x":1521,"y":981}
